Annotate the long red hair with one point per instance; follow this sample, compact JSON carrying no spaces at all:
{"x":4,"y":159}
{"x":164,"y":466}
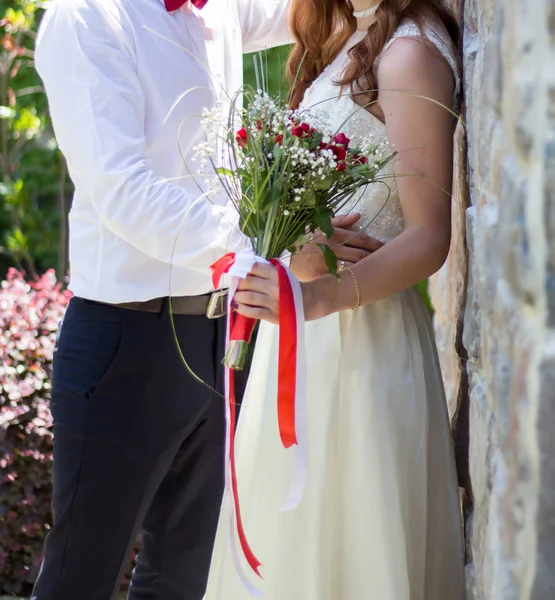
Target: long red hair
{"x":322,"y":27}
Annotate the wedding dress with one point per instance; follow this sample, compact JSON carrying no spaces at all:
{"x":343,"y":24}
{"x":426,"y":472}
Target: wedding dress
{"x":380,"y":517}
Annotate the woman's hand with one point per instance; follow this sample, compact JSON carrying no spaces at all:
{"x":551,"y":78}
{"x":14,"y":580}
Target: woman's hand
{"x":258,"y":296}
{"x":349,"y":246}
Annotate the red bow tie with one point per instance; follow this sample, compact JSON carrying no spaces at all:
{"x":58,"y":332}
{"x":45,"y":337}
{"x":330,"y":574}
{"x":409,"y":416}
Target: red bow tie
{"x":172,"y":5}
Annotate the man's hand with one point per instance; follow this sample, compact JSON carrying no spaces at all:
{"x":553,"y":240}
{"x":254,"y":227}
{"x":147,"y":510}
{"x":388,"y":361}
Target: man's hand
{"x":349,"y":246}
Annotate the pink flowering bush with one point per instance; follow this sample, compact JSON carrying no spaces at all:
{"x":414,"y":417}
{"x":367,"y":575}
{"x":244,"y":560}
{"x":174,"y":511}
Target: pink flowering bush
{"x":29,"y":317}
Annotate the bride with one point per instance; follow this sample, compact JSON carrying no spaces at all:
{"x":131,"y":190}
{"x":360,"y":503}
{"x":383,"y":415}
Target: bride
{"x":380,"y":517}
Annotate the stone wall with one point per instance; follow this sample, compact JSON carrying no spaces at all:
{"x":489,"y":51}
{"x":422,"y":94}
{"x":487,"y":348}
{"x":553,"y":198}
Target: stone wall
{"x":495,"y":299}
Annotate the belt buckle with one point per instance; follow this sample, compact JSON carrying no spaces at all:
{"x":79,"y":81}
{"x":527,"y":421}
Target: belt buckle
{"x":217,"y":305}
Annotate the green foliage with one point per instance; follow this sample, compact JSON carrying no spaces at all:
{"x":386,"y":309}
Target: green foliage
{"x":330,"y":258}
{"x":31,"y":179}
{"x":273,"y":65}
{"x":422,"y":288}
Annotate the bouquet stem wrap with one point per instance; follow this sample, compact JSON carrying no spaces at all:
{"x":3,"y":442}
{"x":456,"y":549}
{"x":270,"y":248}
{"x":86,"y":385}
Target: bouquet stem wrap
{"x":291,"y":396}
{"x":240,"y":327}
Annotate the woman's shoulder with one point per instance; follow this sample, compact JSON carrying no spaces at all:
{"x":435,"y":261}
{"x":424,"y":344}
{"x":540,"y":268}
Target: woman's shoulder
{"x":434,"y":36}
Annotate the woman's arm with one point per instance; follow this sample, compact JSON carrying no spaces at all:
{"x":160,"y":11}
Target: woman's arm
{"x":421,"y":128}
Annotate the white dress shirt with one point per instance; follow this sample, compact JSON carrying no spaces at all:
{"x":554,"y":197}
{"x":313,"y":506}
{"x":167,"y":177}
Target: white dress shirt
{"x":113,"y":69}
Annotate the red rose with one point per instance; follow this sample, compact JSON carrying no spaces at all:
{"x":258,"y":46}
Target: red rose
{"x":304,"y":130}
{"x":342,"y":140}
{"x":358,"y":159}
{"x":279,"y":139}
{"x":242,"y":137}
{"x":259,"y":125}
{"x":342,"y":166}
{"x":339,"y":152}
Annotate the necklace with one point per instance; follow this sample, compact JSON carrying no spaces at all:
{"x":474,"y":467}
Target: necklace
{"x":369,"y":12}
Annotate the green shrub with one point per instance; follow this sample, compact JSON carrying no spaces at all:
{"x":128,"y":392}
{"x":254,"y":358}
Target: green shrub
{"x":33,"y":186}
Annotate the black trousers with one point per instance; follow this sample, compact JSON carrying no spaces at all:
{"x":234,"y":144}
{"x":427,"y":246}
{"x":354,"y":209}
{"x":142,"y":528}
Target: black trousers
{"x":138,"y":445}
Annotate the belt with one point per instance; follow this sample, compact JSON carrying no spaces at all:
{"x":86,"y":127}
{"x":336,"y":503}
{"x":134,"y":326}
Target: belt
{"x":212,"y":306}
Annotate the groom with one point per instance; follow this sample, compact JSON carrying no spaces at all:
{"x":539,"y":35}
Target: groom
{"x":138,"y":438}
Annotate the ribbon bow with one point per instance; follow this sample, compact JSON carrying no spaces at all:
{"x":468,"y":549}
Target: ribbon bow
{"x":172,"y":5}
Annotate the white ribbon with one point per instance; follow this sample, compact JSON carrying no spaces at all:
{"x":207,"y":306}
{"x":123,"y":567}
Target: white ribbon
{"x":300,"y":465}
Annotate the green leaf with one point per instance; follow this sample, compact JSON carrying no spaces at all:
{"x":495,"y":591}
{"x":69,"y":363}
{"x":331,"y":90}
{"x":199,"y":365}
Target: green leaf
{"x":315,"y":141}
{"x":309,"y":198}
{"x":17,"y":243}
{"x":422,"y":288}
{"x":27,"y":123}
{"x":14,"y":192}
{"x":224,"y":172}
{"x":275,"y":194}
{"x":292,"y":250}
{"x":330,"y":258}
{"x":323,"y":220}
{"x":323,"y":184}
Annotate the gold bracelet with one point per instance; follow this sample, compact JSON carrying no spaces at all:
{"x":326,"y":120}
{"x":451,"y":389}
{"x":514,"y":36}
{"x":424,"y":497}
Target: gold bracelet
{"x":357,"y":286}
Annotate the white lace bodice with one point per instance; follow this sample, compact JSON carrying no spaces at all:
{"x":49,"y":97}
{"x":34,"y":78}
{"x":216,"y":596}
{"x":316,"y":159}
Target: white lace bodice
{"x":328,"y":109}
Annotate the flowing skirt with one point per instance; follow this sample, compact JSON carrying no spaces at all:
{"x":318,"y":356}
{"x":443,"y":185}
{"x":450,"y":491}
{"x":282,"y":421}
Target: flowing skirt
{"x":380,"y":518}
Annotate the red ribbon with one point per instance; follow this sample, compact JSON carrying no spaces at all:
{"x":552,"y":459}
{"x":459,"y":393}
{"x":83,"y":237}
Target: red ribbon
{"x":221,"y":267}
{"x":252,"y":561}
{"x":240,"y":328}
{"x":287,"y":361}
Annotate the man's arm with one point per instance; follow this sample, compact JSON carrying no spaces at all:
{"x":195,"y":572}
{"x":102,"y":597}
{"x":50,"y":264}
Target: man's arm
{"x":87,"y":63}
{"x":264,"y":24}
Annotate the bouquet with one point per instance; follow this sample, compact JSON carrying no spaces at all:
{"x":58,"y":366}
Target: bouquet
{"x":286,"y":178}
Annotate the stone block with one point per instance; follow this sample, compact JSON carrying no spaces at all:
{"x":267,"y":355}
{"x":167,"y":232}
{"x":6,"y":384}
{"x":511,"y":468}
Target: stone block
{"x":544,"y":580}
{"x":549,"y":214}
{"x":471,"y":327}
{"x":493,"y":60}
{"x":517,"y":265}
{"x":480,"y":457}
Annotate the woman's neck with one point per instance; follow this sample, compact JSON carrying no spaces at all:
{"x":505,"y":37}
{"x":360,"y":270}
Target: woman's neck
{"x":360,"y":6}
